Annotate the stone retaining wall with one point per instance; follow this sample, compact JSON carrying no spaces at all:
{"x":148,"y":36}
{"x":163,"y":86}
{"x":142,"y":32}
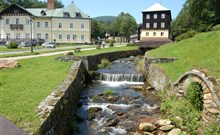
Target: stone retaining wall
{"x":57,"y":109}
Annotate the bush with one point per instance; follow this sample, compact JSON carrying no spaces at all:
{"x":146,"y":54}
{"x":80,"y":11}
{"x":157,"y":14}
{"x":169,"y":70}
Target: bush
{"x":216,"y":27}
{"x":186,"y":35}
{"x":111,"y":44}
{"x":195,"y":95}
{"x":12,"y":45}
{"x":130,"y":44}
{"x":104,"y":63}
{"x":110,"y":40}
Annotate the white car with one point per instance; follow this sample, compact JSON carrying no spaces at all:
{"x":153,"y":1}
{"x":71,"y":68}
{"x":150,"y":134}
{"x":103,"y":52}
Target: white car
{"x":49,"y":45}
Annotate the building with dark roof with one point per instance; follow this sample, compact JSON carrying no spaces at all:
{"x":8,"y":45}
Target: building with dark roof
{"x":65,"y":25}
{"x":155,"y":26}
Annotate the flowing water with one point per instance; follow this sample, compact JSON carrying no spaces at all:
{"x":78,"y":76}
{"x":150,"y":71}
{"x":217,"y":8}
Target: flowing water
{"x":110,"y":106}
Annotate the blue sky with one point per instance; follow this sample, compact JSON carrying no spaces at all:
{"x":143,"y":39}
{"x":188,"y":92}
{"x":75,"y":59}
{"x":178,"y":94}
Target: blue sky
{"x":96,"y":8}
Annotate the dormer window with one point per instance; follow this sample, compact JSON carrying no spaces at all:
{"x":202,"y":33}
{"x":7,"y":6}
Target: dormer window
{"x":78,"y":14}
{"x":43,"y":13}
{"x":66,"y":14}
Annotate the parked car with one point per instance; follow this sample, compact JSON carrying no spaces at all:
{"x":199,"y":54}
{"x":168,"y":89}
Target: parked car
{"x":49,"y":45}
{"x":25,"y":44}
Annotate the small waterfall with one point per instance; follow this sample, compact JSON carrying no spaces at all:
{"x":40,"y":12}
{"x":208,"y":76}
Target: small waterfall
{"x":121,"y":77}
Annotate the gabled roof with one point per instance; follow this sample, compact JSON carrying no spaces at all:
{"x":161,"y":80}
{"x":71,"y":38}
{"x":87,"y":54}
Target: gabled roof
{"x":71,"y":9}
{"x":14,"y":8}
{"x":156,"y":7}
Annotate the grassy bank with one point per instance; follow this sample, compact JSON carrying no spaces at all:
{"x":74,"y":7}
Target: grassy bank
{"x":23,"y":88}
{"x":200,"y":52}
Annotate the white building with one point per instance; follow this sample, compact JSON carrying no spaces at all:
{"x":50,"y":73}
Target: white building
{"x":65,"y":25}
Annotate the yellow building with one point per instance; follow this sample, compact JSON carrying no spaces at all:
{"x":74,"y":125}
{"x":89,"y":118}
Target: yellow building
{"x":65,"y":25}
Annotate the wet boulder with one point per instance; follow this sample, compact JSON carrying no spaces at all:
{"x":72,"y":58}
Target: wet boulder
{"x":112,"y":122}
{"x":92,"y":112}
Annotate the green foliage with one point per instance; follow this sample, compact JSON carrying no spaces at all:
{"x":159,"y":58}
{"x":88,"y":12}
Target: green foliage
{"x":130,"y":44}
{"x":140,"y":65}
{"x":111,"y":44}
{"x":195,"y":95}
{"x":196,"y":15}
{"x":200,"y":52}
{"x":186,"y":35}
{"x":12,"y":45}
{"x":108,"y":92}
{"x":110,"y":41}
{"x":104,"y":63}
{"x":182,"y":108}
{"x":212,"y":129}
{"x":216,"y":27}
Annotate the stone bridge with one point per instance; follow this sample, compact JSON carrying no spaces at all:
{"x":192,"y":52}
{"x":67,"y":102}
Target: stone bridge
{"x":211,"y":106}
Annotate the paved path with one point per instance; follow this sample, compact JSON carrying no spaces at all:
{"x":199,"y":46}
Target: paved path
{"x":46,"y":54}
{"x":7,"y":128}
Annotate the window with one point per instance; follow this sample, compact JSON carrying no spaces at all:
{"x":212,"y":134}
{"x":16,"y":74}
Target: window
{"x":46,"y":36}
{"x":17,"y":21}
{"x":26,"y":21}
{"x":147,"y":34}
{"x":74,"y":36}
{"x":7,"y":36}
{"x":162,"y":25}
{"x":39,"y":36}
{"x":27,"y":35}
{"x":18,"y":36}
{"x":7,"y":22}
{"x":155,"y":24}
{"x":60,"y":25}
{"x":46,"y":25}
{"x":78,"y":15}
{"x":38,"y":24}
{"x":163,"y":16}
{"x":82,"y":37}
{"x":66,"y":14}
{"x":154,"y":34}
{"x":147,"y":16}
{"x":71,"y":25}
{"x":147,"y":25}
{"x":82,"y":26}
{"x":162,"y":34}
{"x":155,"y":16}
{"x":68,"y":37}
{"x":60,"y":37}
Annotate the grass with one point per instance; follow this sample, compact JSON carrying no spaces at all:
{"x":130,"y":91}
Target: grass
{"x":23,"y":88}
{"x":201,"y":52}
{"x":110,"y":49}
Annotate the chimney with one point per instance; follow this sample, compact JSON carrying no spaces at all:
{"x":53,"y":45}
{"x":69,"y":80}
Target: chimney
{"x":50,"y":4}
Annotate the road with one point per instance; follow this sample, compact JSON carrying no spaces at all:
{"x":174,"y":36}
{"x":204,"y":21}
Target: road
{"x":45,"y":49}
{"x":48,"y":54}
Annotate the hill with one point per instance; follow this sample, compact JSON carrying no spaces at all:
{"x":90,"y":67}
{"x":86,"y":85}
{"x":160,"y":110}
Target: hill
{"x":105,"y":19}
{"x":201,"y":52}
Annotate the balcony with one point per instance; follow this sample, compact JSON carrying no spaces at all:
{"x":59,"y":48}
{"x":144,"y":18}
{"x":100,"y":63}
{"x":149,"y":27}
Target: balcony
{"x":16,"y":26}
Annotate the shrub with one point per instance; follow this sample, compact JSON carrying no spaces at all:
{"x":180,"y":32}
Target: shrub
{"x":104,"y":63}
{"x":111,"y":44}
{"x":110,"y":40}
{"x":108,"y":92}
{"x":195,"y":95}
{"x":130,"y":44}
{"x":216,"y":27}
{"x":186,"y":35}
{"x":12,"y":45}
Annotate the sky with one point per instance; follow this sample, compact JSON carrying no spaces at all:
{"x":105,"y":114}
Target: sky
{"x":96,"y":8}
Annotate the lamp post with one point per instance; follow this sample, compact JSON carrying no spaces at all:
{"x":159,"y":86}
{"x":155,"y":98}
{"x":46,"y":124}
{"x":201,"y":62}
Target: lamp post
{"x":31,"y":22}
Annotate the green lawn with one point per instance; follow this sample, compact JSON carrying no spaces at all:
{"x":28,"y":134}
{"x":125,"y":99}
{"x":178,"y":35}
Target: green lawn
{"x":22,"y":89}
{"x":201,"y":52}
{"x":110,"y":49}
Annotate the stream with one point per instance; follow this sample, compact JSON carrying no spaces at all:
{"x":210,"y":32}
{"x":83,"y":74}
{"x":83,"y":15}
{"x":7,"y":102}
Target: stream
{"x":111,"y":105}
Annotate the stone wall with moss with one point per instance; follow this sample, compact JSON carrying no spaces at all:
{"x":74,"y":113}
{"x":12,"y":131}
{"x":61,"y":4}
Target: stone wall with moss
{"x":57,"y":110}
